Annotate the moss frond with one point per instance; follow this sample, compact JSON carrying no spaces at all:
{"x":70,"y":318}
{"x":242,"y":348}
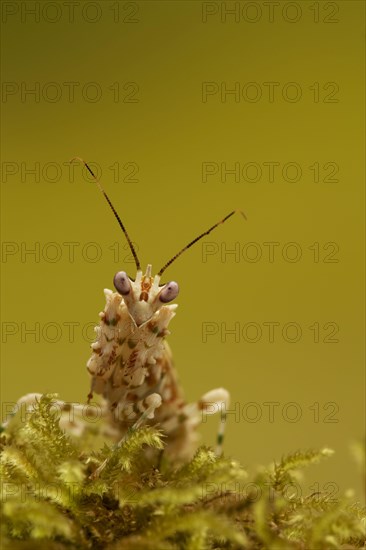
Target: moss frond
{"x":124,"y":456}
{"x":281,"y":477}
{"x":42,"y":426}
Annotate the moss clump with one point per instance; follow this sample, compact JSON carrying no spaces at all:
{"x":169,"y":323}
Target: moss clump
{"x":59,"y":493}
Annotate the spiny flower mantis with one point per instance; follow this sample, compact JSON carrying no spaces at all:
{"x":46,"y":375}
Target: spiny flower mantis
{"x":131,"y":364}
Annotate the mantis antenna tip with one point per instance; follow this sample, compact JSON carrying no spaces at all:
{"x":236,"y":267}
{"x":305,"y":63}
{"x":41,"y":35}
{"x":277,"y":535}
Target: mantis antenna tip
{"x":242,"y":213}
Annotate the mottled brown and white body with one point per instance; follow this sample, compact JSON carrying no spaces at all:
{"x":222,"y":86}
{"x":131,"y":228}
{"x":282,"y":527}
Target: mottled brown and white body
{"x":132,"y":368}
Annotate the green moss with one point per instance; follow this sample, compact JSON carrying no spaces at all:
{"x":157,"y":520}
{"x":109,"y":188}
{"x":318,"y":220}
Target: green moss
{"x":59,"y":493}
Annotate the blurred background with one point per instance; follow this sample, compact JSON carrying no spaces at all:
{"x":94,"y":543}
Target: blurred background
{"x":187,"y":110}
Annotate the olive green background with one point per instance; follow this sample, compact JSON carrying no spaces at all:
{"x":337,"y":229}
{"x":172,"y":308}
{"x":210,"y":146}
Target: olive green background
{"x":168,"y":51}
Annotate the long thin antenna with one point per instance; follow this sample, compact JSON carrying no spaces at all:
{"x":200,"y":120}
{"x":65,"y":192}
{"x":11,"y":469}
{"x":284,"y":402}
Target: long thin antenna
{"x":198,"y":238}
{"x":137,"y":261}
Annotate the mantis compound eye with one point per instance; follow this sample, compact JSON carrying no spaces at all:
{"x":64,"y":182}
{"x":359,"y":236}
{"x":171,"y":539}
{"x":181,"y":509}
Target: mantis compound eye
{"x":169,"y":292}
{"x":122,"y":283}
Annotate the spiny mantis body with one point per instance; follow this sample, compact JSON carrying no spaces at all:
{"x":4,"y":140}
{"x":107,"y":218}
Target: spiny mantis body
{"x":131,"y":364}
